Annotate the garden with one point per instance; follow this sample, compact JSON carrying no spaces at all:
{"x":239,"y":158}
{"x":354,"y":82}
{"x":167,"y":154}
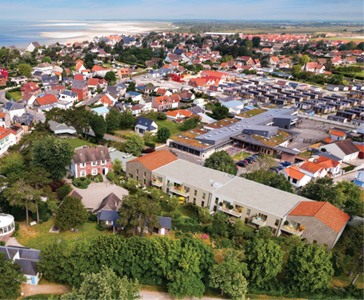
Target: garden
{"x":84,"y":182}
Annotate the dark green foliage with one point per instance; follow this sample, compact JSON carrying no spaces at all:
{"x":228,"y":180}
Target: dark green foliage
{"x":81,"y":184}
{"x":110,"y":175}
{"x":18,"y":213}
{"x":163,"y":134}
{"x":161,"y":116}
{"x":64,"y":191}
{"x":99,"y":126}
{"x":71,"y":213}
{"x":220,"y":112}
{"x":91,"y":217}
{"x":227,"y":243}
{"x":221,"y":161}
{"x":149,"y":144}
{"x":278,"y":181}
{"x":110,"y":76}
{"x":190,"y":123}
{"x":113,"y":119}
{"x":157,"y":261}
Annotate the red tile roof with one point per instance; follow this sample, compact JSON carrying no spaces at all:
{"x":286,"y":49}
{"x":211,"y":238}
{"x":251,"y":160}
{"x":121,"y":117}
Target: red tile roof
{"x":338,"y":133}
{"x":327,"y":140}
{"x":294,"y":172}
{"x":323,"y":211}
{"x":93,"y":81}
{"x":310,"y":167}
{"x":47,"y":99}
{"x":179,"y":112}
{"x":156,"y":159}
{"x":4,"y":132}
{"x":79,"y":77}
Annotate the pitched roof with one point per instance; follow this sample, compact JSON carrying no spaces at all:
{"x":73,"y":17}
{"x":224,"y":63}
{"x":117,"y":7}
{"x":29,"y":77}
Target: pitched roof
{"x":93,"y":81}
{"x":156,"y":159}
{"x":47,"y":99}
{"x":85,"y":155}
{"x":327,"y":140}
{"x":110,"y":200}
{"x":294,"y":172}
{"x":338,"y":133}
{"x":179,"y":112}
{"x":323,"y":211}
{"x":109,"y":215}
{"x":310,"y":167}
{"x":3,"y":132}
{"x":75,"y":194}
{"x":347,"y":146}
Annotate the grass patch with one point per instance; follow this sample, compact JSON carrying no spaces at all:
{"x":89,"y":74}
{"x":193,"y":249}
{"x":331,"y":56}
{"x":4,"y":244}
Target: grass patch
{"x":39,"y":237}
{"x":173,"y":127}
{"x":337,"y":39}
{"x":43,"y":296}
{"x":241,"y":155}
{"x":16,"y":95}
{"x":305,"y":154}
{"x":78,"y":142}
{"x":254,"y":112}
{"x":349,"y":168}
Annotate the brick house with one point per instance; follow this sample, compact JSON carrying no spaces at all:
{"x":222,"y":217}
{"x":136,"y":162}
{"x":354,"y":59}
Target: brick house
{"x":161,"y":103}
{"x":81,"y":88}
{"x":91,"y":161}
{"x":30,"y":88}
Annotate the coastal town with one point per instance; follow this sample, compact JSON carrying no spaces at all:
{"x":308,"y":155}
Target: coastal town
{"x":180,"y":164}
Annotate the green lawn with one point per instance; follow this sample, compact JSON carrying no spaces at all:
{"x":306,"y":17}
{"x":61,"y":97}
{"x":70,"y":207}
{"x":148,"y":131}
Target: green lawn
{"x":38,"y":236}
{"x":337,"y":39}
{"x":241,"y":155}
{"x":16,"y":95}
{"x":173,"y":127}
{"x":78,"y":142}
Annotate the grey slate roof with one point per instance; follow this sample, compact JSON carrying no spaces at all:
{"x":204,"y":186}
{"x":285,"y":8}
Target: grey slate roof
{"x":145,"y":122}
{"x":85,"y":155}
{"x":24,"y":119}
{"x":78,"y":84}
{"x":109,"y":215}
{"x":27,"y":267}
{"x":112,"y":200}
{"x":12,"y":105}
{"x":165,"y":222}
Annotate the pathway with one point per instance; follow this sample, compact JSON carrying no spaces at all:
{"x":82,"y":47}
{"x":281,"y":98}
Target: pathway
{"x":13,"y":242}
{"x":30,"y":290}
{"x":162,"y":296}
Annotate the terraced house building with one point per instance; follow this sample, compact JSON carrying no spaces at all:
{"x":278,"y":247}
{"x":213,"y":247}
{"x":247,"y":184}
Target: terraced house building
{"x":258,"y":205}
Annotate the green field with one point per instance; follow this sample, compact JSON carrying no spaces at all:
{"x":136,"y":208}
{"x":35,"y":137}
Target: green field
{"x":78,"y":142}
{"x":241,"y":155}
{"x":16,"y":95}
{"x":339,"y":39}
{"x":173,"y":127}
{"x":39,"y":237}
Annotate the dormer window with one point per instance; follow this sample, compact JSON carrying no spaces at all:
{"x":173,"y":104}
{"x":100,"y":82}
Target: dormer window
{"x":103,"y":162}
{"x":94,"y":163}
{"x":83,"y":165}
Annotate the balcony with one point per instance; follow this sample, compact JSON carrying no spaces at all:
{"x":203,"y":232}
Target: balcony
{"x":258,"y":221}
{"x":180,"y":192}
{"x":157,"y":183}
{"x":292,"y":230}
{"x":233,"y":212}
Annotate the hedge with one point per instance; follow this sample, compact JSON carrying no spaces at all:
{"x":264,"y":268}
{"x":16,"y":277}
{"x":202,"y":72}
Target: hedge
{"x":349,"y":168}
{"x":149,"y":144}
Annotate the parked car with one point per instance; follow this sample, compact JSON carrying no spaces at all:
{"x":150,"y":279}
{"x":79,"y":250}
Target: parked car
{"x":249,"y":159}
{"x":241,"y":164}
{"x":285,"y":164}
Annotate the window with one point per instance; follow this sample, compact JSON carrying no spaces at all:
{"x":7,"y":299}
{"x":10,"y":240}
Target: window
{"x":203,"y":195}
{"x":131,"y":176}
{"x":83,"y":173}
{"x":94,"y":163}
{"x":195,"y":193}
{"x":276,"y":223}
{"x":83,"y":165}
{"x":94,"y":171}
{"x":216,"y":200}
{"x":145,"y":174}
{"x":294,"y":180}
{"x":145,"y":181}
{"x":137,"y":171}
{"x":103,"y":162}
{"x":202,"y":203}
{"x":194,"y":200}
{"x":248,"y":212}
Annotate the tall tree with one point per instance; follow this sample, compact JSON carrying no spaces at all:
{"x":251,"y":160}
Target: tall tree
{"x":163,"y":134}
{"x":127,"y":119}
{"x":53,"y":155}
{"x":220,"y":112}
{"x":221,"y":161}
{"x":309,"y":268}
{"x":134,"y":144}
{"x":71,"y":213}
{"x":25,"y":70}
{"x":105,"y":285}
{"x":11,"y":163}
{"x":228,"y":277}
{"x":22,"y":195}
{"x":110,"y":76}
{"x":11,"y":278}
{"x":46,"y":59}
{"x":304,"y":59}
{"x":278,"y":181}
{"x":264,"y":259}
{"x":256,"y":41}
{"x":138,"y":211}
{"x":113,"y":119}
{"x":99,"y":126}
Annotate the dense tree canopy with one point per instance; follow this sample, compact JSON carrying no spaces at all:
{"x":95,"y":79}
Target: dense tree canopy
{"x":219,"y":111}
{"x":134,"y":144}
{"x":70,"y":213}
{"x":278,"y":181}
{"x":113,"y":119}
{"x":99,"y":126}
{"x":163,"y":134}
{"x":221,"y":161}
{"x":53,"y":155}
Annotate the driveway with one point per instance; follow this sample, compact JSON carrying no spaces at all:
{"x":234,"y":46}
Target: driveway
{"x":96,"y":192}
{"x":29,"y":290}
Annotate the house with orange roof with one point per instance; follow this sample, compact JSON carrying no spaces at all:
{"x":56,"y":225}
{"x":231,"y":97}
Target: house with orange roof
{"x":7,"y":139}
{"x":141,"y":168}
{"x":338,"y":135}
{"x":162,"y":103}
{"x":93,"y":83}
{"x":30,"y":88}
{"x":107,"y":100}
{"x":314,"y":170}
{"x":44,"y":101}
{"x":296,"y":177}
{"x":123,"y":73}
{"x":178,"y":115}
{"x":79,"y":67}
{"x":319,"y":222}
{"x":314,"y":68}
{"x":274,"y":60}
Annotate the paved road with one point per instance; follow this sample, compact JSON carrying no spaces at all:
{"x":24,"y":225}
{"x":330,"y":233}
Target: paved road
{"x":348,"y":177}
{"x":2,"y":97}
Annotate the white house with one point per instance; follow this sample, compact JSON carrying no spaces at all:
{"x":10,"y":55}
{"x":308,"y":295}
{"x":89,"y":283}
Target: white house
{"x":61,"y":129}
{"x":199,"y":101}
{"x":143,"y":125}
{"x":133,"y":95}
{"x":13,"y":109}
{"x":32,"y":46}
{"x":234,"y":106}
{"x":46,"y":68}
{"x":28,"y":99}
{"x":101,"y":111}
{"x":296,"y":177}
{"x":344,"y":149}
{"x":68,"y":96}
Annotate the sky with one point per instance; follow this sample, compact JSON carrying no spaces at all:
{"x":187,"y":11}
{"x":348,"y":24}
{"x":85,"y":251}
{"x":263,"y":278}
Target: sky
{"x":296,"y":10}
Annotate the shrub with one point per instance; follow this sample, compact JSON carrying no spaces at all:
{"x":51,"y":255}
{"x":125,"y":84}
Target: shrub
{"x":161,"y":116}
{"x":227,"y":243}
{"x":64,"y":191}
{"x":92,"y":217}
{"x":83,"y":178}
{"x":100,"y":226}
{"x":56,"y":184}
{"x":88,"y":180}
{"x":110,"y":176}
{"x":189,"y":235}
{"x":78,"y":182}
{"x":99,"y":178}
{"x":148,"y":150}
{"x":16,"y":231}
{"x":350,"y":251}
{"x":2,"y":243}
{"x":150,"y":144}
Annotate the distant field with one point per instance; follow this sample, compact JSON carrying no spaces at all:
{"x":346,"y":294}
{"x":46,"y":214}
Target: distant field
{"x":339,"y":39}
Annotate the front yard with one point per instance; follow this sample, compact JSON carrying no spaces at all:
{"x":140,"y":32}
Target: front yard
{"x":39,"y":237}
{"x":16,"y":95}
{"x":78,"y":142}
{"x":173,"y":127}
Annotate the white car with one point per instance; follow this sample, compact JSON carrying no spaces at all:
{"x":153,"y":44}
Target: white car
{"x":127,"y":155}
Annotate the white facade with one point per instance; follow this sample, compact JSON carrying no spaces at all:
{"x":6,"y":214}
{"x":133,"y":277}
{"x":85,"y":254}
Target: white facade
{"x":6,"y":142}
{"x":7,"y":224}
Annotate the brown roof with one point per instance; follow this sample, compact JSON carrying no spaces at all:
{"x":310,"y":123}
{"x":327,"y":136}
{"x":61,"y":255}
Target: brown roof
{"x":75,"y":194}
{"x":111,"y":200}
{"x":347,"y":146}
{"x":323,"y":211}
{"x":156,"y":159}
{"x":90,"y":154}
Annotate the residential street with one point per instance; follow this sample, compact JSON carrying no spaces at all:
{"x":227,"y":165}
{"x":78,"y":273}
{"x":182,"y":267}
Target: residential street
{"x":348,"y":177}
